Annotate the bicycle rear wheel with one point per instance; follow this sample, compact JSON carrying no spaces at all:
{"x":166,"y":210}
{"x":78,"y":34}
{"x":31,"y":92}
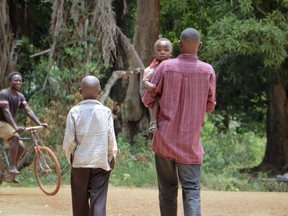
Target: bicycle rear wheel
{"x":2,"y":170}
{"x":47,"y":170}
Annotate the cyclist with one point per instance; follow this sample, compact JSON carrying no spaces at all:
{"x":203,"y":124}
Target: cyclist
{"x":10,"y":101}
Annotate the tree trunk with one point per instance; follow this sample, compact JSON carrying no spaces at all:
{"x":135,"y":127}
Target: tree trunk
{"x":134,"y":114}
{"x":7,"y":44}
{"x":147,"y":29}
{"x":276,"y":155}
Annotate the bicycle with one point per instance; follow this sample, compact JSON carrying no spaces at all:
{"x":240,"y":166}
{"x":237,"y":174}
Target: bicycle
{"x":45,"y":164}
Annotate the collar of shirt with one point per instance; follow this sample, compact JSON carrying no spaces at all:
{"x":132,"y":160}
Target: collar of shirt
{"x":186,"y":55}
{"x":89,"y":101}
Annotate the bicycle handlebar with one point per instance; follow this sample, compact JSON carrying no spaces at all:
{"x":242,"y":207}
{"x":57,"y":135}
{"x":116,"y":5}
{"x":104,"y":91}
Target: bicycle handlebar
{"x":34,"y":128}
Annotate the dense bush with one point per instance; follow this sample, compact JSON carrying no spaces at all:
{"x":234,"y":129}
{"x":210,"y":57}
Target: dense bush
{"x":135,"y":164}
{"x":225,"y":155}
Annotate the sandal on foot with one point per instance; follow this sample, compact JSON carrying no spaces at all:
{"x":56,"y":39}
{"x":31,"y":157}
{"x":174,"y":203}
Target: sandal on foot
{"x":16,"y":181}
{"x":13,"y":171}
{"x":152,"y":127}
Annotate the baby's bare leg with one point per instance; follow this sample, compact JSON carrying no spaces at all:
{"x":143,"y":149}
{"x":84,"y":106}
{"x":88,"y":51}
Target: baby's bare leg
{"x":154,"y":113}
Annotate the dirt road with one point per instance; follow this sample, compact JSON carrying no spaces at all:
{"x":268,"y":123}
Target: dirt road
{"x":123,"y":201}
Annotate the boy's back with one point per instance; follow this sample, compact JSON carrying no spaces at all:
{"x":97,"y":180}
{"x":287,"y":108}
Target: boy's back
{"x":93,"y":127}
{"x":90,"y":145}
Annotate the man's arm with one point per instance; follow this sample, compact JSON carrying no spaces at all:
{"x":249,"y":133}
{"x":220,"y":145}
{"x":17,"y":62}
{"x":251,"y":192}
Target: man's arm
{"x":32,"y":115}
{"x":211,"y":100}
{"x":10,"y":119}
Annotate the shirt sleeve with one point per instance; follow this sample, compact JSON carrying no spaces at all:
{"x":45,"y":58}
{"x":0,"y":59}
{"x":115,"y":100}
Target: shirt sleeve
{"x":22,"y":101}
{"x":112,"y":144}
{"x":211,"y":100}
{"x":3,"y":100}
{"x":147,"y":97}
{"x":69,"y":143}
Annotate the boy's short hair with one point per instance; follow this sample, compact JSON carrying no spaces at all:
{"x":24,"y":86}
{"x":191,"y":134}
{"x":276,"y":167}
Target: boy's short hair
{"x":11,"y":75}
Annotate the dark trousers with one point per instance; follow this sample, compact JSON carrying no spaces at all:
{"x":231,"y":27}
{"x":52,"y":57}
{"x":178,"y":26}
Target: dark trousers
{"x":168,"y":172}
{"x":89,"y":189}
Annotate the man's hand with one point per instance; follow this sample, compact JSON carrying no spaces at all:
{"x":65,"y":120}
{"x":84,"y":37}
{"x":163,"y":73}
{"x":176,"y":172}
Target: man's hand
{"x":45,"y":125}
{"x":19,"y":129}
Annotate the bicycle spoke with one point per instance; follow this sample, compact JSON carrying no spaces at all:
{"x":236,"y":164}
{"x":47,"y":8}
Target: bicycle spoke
{"x":47,"y":171}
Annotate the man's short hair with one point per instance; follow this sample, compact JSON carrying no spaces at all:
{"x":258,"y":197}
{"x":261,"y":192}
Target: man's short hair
{"x":11,"y":75}
{"x":190,"y":34}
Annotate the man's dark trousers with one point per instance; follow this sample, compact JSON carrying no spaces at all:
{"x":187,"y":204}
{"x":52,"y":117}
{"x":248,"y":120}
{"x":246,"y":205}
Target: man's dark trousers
{"x":168,"y":172}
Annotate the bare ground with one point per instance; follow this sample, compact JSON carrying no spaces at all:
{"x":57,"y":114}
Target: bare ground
{"x":124,"y":201}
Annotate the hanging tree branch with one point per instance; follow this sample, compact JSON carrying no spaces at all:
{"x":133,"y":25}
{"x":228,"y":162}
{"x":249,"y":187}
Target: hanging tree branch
{"x":114,"y":77}
{"x":101,"y":25}
{"x":56,"y":24}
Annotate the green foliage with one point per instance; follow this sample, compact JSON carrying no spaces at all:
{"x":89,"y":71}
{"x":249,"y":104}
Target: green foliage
{"x":229,"y":151}
{"x":195,"y":15}
{"x":246,"y":41}
{"x":240,"y":182}
{"x":72,"y":67}
{"x":241,"y":92}
{"x":285,"y":3}
{"x":225,"y":155}
{"x":247,"y":45}
{"x":246,"y":7}
{"x":135,"y":164}
{"x":28,"y":67}
{"x":266,"y":38}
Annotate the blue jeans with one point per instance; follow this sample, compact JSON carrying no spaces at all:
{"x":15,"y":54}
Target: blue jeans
{"x":168,"y":172}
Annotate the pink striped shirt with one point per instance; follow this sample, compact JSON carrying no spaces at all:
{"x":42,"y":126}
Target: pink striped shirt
{"x":186,"y":89}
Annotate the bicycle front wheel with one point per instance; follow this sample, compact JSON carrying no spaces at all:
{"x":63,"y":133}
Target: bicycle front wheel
{"x":47,"y":170}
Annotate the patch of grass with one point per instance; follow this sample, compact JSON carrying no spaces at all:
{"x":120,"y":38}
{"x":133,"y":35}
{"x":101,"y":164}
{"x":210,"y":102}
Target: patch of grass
{"x":135,"y":164}
{"x":225,"y":154}
{"x":241,"y":182}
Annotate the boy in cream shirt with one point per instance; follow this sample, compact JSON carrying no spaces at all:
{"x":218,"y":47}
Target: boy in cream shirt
{"x":90,"y":146}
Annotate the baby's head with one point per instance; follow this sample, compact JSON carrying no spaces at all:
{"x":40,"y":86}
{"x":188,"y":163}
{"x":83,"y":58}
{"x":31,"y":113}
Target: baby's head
{"x":163,"y":49}
{"x":90,"y":87}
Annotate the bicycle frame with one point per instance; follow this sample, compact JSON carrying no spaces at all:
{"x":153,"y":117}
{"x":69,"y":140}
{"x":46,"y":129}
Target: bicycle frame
{"x":45,"y":164}
{"x":8,"y":176}
{"x":36,"y":140}
{"x":4,"y":154}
